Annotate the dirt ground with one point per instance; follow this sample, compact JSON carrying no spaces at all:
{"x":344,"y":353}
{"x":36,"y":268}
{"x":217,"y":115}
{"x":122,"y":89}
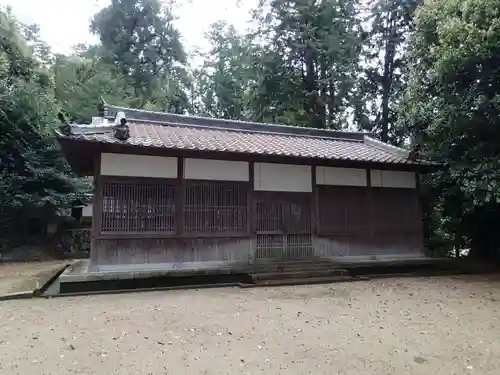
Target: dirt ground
{"x":21,"y":277}
{"x":443,"y":326}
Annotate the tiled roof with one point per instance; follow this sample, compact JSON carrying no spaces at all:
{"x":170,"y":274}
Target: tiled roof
{"x":241,"y":139}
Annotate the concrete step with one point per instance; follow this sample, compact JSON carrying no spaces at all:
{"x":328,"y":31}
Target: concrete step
{"x":164,"y":282}
{"x":299,"y":281}
{"x":292,"y":269}
{"x":292,"y":266}
{"x":297,"y":274}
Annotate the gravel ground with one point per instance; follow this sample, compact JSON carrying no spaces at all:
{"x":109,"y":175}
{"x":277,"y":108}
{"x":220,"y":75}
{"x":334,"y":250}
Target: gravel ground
{"x":395,"y":326}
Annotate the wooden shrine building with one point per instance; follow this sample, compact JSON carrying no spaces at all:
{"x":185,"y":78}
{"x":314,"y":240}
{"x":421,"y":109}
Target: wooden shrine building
{"x":175,"y":191}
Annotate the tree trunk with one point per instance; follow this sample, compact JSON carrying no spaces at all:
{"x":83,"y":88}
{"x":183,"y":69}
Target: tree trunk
{"x":312,"y":89}
{"x":457,"y":245}
{"x":390,"y":48}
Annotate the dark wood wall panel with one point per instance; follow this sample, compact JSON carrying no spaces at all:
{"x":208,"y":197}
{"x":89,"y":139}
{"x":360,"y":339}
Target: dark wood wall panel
{"x":342,"y":209}
{"x":372,"y":246}
{"x":151,"y":250}
{"x":146,"y":220}
{"x":367,"y":221}
{"x":349,"y":210}
{"x":396,"y":211}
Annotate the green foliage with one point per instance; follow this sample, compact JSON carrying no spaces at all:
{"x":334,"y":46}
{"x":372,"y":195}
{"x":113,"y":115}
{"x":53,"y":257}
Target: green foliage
{"x":384,"y":79}
{"x":309,"y":61}
{"x":222,"y":85}
{"x":33,"y":175}
{"x":452,"y":108}
{"x":81,"y":82}
{"x":139,"y":39}
{"x":298,"y":67}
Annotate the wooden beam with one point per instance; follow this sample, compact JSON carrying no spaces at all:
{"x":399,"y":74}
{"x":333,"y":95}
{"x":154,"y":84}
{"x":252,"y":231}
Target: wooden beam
{"x":370,"y":206}
{"x":420,"y":213}
{"x":97,"y":203}
{"x":179,"y":197}
{"x":251,"y":216}
{"x":251,"y":201}
{"x":314,"y":202}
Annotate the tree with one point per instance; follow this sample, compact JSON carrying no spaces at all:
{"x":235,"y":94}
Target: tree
{"x":310,"y":60}
{"x":169,"y":92}
{"x":139,"y":39}
{"x":33,"y":174}
{"x":81,"y":82}
{"x":228,"y":72}
{"x":389,"y":25}
{"x":452,"y":107}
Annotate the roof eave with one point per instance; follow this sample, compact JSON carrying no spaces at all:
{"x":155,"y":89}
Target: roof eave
{"x":80,"y":153}
{"x":76,"y":145}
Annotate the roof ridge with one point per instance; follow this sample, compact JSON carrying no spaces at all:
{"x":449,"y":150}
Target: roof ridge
{"x":110,"y":112}
{"x":394,"y":150}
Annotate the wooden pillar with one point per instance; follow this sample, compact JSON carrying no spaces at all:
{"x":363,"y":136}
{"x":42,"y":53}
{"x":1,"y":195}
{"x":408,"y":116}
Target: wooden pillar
{"x":419,"y":212}
{"x":179,"y":197}
{"x":251,"y":224}
{"x":314,"y":212}
{"x":97,"y":203}
{"x":370,"y":206}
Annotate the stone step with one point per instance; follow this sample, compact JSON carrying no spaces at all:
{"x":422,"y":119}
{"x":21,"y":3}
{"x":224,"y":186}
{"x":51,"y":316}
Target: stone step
{"x":297,"y":274}
{"x":299,"y":281}
{"x":292,"y":266}
{"x":293,"y":269}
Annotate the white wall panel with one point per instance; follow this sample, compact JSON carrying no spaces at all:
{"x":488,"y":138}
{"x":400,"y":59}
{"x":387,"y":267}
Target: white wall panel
{"x":220,"y":170}
{"x":87,"y":210}
{"x":340,"y":176}
{"x":393,"y":179}
{"x":138,"y":166}
{"x":399,"y":179}
{"x":282,"y":177}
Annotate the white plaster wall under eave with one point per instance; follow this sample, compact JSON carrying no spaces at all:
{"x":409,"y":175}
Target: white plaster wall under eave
{"x":138,"y":166}
{"x":341,"y":176}
{"x":218,"y":170}
{"x":282,"y":177}
{"x":87,"y":210}
{"x":393,"y":179}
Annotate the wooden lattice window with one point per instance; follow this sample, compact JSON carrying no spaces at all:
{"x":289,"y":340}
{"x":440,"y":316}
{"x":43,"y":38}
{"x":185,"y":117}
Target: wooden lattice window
{"x":278,"y":246}
{"x":216,"y":208}
{"x":138,"y":206}
{"x":283,"y":224}
{"x":278,"y":213}
{"x":342,"y":209}
{"x":396,"y":210}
